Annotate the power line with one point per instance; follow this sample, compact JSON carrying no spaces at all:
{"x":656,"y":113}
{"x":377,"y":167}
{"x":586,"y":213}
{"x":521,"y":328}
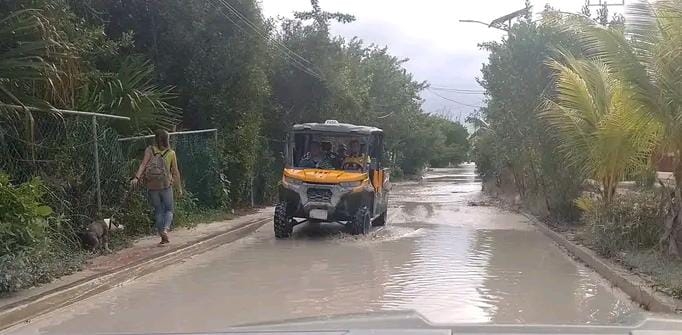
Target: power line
{"x":460,"y":90}
{"x":293,"y":62}
{"x":296,"y":62}
{"x":451,"y":100}
{"x":261,"y":32}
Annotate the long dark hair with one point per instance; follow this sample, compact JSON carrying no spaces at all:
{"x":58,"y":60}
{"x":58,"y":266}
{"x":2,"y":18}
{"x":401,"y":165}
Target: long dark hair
{"x":161,"y":139}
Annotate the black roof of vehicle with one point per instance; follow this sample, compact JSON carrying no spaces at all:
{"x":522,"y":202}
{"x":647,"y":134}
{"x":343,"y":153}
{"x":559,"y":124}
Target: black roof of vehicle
{"x":334,"y":126}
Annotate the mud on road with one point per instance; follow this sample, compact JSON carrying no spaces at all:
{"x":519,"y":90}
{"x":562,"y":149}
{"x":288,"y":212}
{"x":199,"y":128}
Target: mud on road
{"x":438,"y":255}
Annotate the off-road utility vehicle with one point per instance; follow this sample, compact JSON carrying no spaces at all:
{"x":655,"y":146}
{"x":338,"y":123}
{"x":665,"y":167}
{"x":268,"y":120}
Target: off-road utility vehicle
{"x":333,"y":172}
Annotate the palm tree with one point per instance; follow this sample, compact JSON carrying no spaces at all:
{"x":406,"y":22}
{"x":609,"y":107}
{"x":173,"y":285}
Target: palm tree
{"x":25,"y":43}
{"x":130,"y":91}
{"x":647,"y":57}
{"x":598,"y":125}
{"x":38,"y":67}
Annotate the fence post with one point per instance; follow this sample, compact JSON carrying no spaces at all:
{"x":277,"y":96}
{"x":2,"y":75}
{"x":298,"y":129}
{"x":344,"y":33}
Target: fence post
{"x":96,"y":156}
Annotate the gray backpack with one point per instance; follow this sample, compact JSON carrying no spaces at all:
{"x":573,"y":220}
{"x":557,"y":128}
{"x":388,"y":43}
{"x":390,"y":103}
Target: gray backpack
{"x":156,"y":175}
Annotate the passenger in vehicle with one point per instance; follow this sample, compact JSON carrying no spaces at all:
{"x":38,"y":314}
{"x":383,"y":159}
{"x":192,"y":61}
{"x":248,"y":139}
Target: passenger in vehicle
{"x":355,"y":160}
{"x":312,"y":157}
{"x":328,"y":157}
{"x":341,"y":153}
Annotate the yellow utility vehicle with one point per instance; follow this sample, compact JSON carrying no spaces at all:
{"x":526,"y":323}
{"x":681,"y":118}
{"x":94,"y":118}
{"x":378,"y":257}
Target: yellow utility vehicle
{"x":333,"y":172}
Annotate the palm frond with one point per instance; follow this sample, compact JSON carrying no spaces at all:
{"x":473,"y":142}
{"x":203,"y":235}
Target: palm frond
{"x":25,"y":44}
{"x":130,"y":92}
{"x":600,"y":128}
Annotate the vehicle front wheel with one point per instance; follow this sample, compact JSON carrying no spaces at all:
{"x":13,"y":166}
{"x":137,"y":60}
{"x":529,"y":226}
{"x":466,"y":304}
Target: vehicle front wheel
{"x":360,"y":224}
{"x":380,"y":220}
{"x":283,"y":224}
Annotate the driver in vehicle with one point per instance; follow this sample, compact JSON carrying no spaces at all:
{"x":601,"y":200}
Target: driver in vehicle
{"x":320,"y":156}
{"x":355,"y":160}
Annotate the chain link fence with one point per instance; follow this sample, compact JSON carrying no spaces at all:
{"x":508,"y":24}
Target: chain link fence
{"x":74,"y":153}
{"x":197,"y":155}
{"x":86,"y":165}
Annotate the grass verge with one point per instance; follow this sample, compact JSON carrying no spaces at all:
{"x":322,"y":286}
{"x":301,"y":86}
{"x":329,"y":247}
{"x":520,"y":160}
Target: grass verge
{"x":664,"y":273}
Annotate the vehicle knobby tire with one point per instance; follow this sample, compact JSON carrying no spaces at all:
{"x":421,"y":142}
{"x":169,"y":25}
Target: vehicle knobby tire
{"x":282,"y":222}
{"x":380,"y":220}
{"x":360,"y":224}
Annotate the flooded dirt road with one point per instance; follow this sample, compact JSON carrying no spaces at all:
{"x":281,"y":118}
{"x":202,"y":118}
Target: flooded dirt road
{"x":438,"y":255}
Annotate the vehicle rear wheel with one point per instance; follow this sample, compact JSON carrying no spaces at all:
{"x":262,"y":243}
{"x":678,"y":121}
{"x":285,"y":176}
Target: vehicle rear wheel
{"x":282,"y":221}
{"x":380,"y":220}
{"x":360,"y":224}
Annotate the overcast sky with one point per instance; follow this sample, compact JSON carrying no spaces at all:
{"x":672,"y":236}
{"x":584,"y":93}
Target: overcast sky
{"x":441,"y":50}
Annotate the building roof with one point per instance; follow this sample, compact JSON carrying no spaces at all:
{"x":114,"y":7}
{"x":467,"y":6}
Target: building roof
{"x":336,"y":127}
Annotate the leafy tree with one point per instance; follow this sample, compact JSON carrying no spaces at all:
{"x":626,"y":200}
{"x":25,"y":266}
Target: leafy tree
{"x":455,"y":146}
{"x":515,"y":144}
{"x":585,"y":9}
{"x":603,"y":15}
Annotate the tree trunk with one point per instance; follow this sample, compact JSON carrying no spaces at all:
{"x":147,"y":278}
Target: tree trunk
{"x":672,"y":235}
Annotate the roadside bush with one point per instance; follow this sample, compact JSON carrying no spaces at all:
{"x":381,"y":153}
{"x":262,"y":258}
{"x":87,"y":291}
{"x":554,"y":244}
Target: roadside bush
{"x":397,"y":173}
{"x":186,"y":208}
{"x":24,"y":269}
{"x":632,"y":221}
{"x":136,"y":215}
{"x":645,"y":178}
{"x":37,"y":246}
{"x":23,"y":217}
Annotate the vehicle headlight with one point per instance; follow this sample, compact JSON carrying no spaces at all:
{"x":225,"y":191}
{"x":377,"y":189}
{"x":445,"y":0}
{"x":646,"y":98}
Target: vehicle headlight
{"x":292,"y":181}
{"x":351,"y":184}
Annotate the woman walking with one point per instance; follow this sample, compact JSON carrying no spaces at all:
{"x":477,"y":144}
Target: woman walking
{"x":160,"y":173}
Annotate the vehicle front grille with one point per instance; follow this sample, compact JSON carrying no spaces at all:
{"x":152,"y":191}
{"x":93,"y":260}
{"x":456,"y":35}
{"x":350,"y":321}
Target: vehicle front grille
{"x":319,"y":195}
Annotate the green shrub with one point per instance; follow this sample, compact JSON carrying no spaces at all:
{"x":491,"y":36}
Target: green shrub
{"x":23,"y":216}
{"x":136,"y":215}
{"x":632,"y":221}
{"x":645,"y":178}
{"x":397,"y":173}
{"x":28,"y":268}
{"x":37,"y":245}
{"x":186,"y":207}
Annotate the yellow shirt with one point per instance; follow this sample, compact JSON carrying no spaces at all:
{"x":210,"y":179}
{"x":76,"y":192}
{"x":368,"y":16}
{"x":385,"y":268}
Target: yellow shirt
{"x":360,"y":160}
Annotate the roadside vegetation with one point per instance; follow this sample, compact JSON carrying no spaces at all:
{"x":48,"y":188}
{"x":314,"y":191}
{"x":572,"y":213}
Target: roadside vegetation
{"x":180,"y":65}
{"x":595,"y":101}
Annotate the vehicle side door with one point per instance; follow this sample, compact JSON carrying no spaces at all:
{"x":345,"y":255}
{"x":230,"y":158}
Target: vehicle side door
{"x":378,"y":174}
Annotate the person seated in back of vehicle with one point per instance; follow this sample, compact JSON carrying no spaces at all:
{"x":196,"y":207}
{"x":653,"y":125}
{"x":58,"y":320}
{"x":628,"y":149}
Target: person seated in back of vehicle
{"x":328,"y":156}
{"x":312,"y":157}
{"x":355,"y":160}
{"x":341,"y":153}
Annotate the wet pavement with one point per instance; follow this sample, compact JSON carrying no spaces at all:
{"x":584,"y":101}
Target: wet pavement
{"x":438,"y":255}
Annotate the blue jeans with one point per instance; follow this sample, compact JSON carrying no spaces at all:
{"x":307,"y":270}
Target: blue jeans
{"x":162,"y":200}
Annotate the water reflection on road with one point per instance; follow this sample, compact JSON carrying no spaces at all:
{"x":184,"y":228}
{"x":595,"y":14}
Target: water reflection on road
{"x":449,"y":261}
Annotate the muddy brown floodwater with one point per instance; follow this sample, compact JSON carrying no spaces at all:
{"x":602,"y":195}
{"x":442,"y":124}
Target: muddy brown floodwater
{"x":439,"y":256}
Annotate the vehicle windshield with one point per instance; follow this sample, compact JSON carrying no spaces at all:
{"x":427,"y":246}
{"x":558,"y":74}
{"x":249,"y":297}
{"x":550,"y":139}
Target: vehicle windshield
{"x":329,"y":151}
